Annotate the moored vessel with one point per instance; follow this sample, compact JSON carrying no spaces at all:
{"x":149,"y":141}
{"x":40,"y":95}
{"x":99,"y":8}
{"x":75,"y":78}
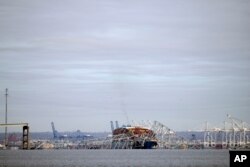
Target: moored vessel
{"x":133,"y":137}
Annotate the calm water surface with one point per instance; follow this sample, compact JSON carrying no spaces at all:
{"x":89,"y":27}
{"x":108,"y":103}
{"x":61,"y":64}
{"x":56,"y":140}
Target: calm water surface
{"x":114,"y":158}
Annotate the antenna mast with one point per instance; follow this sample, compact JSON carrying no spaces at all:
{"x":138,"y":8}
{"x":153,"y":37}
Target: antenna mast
{"x":6,"y":116}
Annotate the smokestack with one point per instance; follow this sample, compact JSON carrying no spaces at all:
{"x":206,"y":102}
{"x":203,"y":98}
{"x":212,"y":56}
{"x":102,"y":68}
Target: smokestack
{"x":116,"y":124}
{"x":112,"y":126}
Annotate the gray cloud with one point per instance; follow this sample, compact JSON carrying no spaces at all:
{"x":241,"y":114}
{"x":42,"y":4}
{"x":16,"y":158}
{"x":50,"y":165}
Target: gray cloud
{"x":86,"y":62}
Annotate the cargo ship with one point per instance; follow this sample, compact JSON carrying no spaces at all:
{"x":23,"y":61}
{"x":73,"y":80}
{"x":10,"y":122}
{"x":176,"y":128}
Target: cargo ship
{"x":133,"y":137}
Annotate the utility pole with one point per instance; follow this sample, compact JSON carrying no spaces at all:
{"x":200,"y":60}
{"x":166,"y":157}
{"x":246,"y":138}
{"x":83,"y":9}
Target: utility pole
{"x":6,"y":116}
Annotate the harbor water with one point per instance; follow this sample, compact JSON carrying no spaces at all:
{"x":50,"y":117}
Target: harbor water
{"x":114,"y":158}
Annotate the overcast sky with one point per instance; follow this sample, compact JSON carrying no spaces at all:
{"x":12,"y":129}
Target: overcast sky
{"x":84,"y":63}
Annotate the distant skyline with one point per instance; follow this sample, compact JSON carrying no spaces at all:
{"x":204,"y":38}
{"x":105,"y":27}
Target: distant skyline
{"x":84,"y":63}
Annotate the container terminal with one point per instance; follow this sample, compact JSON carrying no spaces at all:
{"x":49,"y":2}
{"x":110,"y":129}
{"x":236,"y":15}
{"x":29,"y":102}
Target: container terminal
{"x":234,"y":134}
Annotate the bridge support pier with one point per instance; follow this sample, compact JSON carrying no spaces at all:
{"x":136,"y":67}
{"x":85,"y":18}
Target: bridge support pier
{"x":25,"y":137}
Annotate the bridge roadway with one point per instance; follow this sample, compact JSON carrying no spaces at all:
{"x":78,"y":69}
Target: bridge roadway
{"x":14,"y":124}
